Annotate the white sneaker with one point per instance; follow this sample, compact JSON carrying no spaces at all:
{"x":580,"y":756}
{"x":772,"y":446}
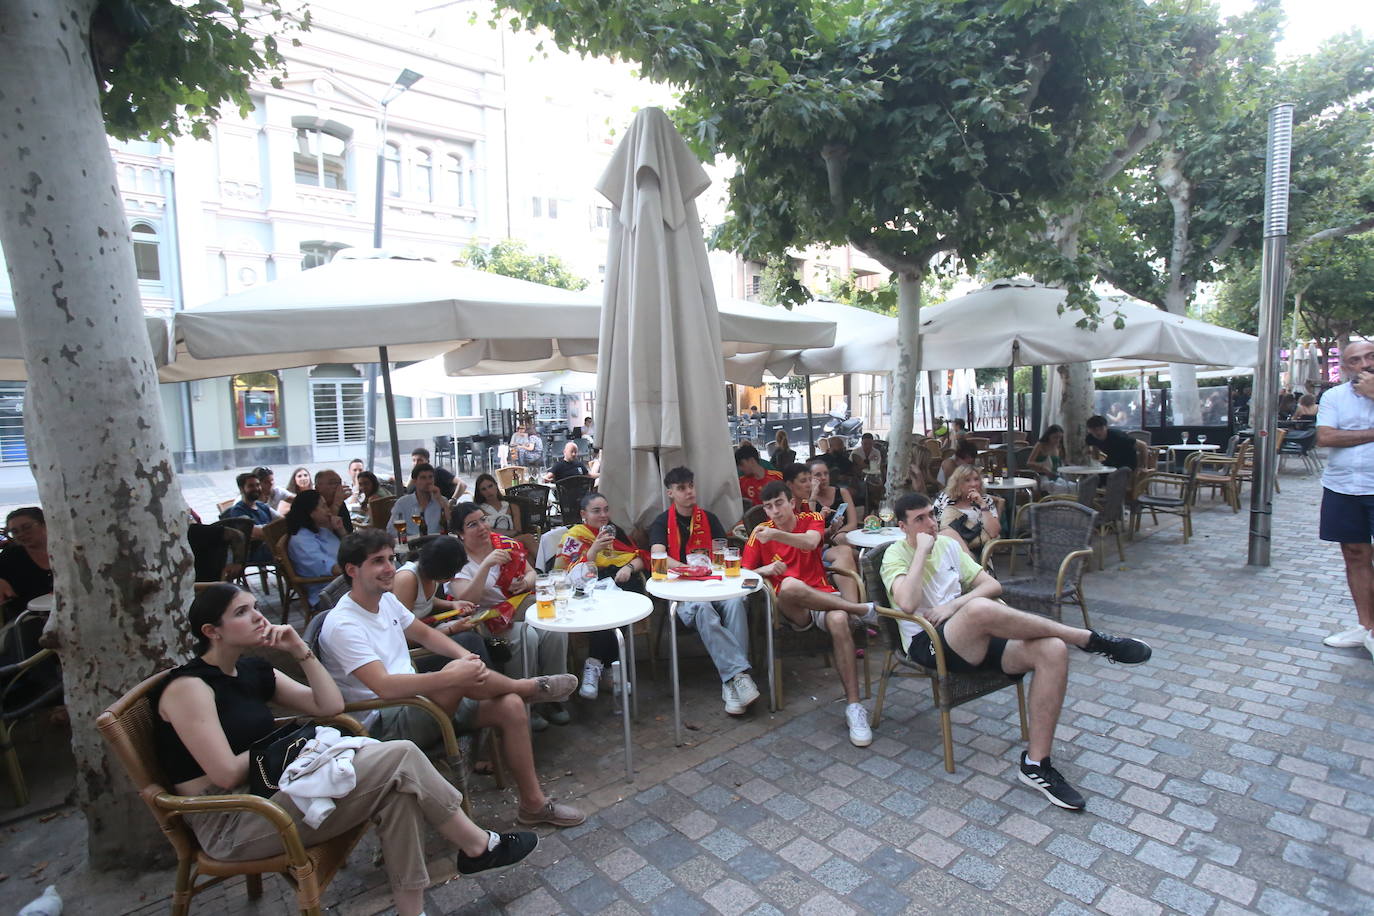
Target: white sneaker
{"x":745,"y":689}
{"x":591,"y":679}
{"x":871,"y":618}
{"x":1352,"y":638}
{"x":860,"y":734}
{"x":731,"y":698}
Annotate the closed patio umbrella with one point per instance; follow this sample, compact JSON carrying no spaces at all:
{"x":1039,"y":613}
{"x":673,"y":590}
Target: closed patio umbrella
{"x":660,"y":385}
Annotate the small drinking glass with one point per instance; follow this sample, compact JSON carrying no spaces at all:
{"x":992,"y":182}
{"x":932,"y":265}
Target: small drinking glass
{"x":718,"y":553}
{"x":887,"y":515}
{"x":562,"y":594}
{"x":1184,"y":435}
{"x":544,"y":597}
{"x":732,"y":564}
{"x":659,"y":565}
{"x":1202,"y":438}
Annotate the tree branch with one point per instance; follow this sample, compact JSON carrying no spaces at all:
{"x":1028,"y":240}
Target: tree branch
{"x":1224,"y":243}
{"x":1126,"y":284}
{"x":1335,"y":232}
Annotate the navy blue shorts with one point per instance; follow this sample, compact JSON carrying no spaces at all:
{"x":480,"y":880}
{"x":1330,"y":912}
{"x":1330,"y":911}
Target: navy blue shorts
{"x":1347,"y":519}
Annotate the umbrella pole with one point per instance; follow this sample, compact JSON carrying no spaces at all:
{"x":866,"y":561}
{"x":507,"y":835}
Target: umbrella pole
{"x":390,"y":416}
{"x":810,"y":424}
{"x":1038,"y":400}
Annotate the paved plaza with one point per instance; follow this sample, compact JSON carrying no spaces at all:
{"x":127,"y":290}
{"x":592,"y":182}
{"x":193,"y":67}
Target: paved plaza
{"x":1234,"y":773}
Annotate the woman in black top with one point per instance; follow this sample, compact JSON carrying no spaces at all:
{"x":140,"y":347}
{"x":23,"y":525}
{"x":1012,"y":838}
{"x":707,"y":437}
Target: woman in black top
{"x":25,"y":570}
{"x":212,"y":709}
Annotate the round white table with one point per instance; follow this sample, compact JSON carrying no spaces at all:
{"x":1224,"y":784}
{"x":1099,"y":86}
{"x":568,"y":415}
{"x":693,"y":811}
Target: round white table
{"x":867,"y":540}
{"x":1011,"y":486}
{"x":1189,"y":447}
{"x":1083,"y":470}
{"x":602,"y":609}
{"x":43,"y":604}
{"x":675,"y":591}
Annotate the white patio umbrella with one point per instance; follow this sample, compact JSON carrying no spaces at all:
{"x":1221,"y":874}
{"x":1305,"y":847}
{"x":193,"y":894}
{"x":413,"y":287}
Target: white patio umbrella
{"x":864,"y":342}
{"x":12,"y":368}
{"x":349,"y":309}
{"x":660,"y":382}
{"x":1019,"y":322}
{"x":750,"y":336}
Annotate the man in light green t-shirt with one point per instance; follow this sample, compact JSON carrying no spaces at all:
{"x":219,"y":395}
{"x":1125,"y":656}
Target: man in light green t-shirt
{"x":934,"y":577}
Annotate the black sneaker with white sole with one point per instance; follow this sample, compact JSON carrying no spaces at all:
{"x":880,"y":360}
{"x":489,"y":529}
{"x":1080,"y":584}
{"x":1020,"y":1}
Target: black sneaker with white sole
{"x":1049,"y":781}
{"x":509,"y":850}
{"x":1121,"y":649}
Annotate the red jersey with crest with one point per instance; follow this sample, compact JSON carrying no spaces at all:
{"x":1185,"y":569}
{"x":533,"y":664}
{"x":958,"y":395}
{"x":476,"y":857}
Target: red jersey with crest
{"x":804,"y":565}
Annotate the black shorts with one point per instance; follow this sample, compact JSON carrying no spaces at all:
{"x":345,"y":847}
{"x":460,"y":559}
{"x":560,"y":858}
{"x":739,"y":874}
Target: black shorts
{"x":1347,"y":519}
{"x":923,"y":653}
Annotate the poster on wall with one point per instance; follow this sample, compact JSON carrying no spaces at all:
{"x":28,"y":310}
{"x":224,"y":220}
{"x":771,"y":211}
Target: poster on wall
{"x":257,"y":405}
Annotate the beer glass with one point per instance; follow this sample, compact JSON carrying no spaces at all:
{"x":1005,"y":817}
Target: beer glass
{"x":732,"y":562}
{"x":544,"y":597}
{"x":660,"y":564}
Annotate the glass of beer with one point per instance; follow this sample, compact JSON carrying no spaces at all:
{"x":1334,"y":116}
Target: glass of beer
{"x":732,"y":562}
{"x":400,"y":532}
{"x":660,"y":564}
{"x":562,"y":593}
{"x":544,"y":597}
{"x":718,"y":553}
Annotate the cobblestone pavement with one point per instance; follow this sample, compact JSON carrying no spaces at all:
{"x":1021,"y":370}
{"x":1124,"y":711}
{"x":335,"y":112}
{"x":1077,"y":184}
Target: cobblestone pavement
{"x":1232,"y":774}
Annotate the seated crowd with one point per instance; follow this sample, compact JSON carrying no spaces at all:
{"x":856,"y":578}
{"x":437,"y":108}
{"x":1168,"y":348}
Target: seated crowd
{"x":462,"y":596}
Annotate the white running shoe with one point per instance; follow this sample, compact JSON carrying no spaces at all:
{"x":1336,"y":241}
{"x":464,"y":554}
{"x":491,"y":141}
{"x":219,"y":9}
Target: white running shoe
{"x":745,"y":688}
{"x":1352,"y":638}
{"x":591,"y":679}
{"x":617,"y":682}
{"x":871,"y":618}
{"x":731,"y":698}
{"x":860,"y":733}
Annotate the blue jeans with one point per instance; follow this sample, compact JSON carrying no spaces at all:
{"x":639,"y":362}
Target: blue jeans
{"x":724,"y":629}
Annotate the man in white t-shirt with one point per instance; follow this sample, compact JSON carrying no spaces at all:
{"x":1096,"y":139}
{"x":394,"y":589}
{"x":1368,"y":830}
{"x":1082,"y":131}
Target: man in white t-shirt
{"x":364,"y":645}
{"x":934,"y":577}
{"x":1345,"y":426}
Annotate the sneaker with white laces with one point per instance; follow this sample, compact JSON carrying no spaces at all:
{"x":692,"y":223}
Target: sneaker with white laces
{"x":731,"y":699}
{"x":860,"y":733}
{"x":1051,"y":782}
{"x":1352,"y":638}
{"x":591,"y":679}
{"x":745,"y":688}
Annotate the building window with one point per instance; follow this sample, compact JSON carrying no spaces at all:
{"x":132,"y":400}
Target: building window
{"x":464,"y":405}
{"x":424,"y":174}
{"x":391,"y":172}
{"x":457,"y":180}
{"x":538,"y":203}
{"x":322,"y":157}
{"x":552,"y":208}
{"x":601,"y":218}
{"x":316,"y":254}
{"x":147,"y":252}
{"x":755,"y":284}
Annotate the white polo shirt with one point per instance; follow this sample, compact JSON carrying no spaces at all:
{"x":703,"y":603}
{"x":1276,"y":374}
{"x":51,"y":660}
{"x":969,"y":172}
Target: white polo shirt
{"x":1349,"y":470}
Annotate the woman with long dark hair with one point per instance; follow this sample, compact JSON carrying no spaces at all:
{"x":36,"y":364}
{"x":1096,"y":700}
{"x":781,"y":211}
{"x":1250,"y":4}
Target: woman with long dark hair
{"x":501,"y":515}
{"x":212,"y":709}
{"x":311,"y":542}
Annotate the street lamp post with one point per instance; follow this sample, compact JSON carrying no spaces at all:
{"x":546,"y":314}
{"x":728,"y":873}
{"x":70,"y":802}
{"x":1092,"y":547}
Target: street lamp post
{"x":403,"y":82}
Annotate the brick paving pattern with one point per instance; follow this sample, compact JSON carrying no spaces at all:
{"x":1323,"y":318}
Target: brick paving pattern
{"x":1232,"y":774}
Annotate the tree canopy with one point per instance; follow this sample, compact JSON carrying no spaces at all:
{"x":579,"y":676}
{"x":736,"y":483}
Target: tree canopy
{"x":510,"y":258}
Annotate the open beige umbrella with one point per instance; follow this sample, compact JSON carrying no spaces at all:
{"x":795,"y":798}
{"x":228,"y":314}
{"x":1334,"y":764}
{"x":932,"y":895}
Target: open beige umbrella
{"x":12,"y":368}
{"x":659,"y":379}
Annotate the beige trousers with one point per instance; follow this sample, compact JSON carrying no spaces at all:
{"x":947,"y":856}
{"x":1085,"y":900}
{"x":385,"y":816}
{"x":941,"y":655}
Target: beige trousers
{"x":398,"y":790}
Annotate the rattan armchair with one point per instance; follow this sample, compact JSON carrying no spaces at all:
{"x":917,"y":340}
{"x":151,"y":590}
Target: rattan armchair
{"x":449,"y":748}
{"x":1179,"y":491}
{"x":807,"y":642}
{"x":15,"y":706}
{"x":127,"y":726}
{"x":1059,"y":547}
{"x":379,"y":511}
{"x":948,"y":689}
{"x":1221,"y":473}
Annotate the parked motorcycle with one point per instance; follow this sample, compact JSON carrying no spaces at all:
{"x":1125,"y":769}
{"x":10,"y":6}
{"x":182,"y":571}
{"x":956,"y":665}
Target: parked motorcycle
{"x":842,"y":424}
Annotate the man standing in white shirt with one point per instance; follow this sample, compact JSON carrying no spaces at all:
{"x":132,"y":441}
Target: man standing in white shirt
{"x":1345,"y":425}
{"x":363,"y":644}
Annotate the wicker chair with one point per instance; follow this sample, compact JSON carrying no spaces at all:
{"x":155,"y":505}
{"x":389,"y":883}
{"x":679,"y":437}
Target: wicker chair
{"x":127,"y":726}
{"x":1110,"y":514}
{"x":509,"y":475}
{"x":293,"y":584}
{"x":449,"y":748}
{"x":533,"y":500}
{"x":1178,"y":500}
{"x":26,"y":674}
{"x":1059,"y":545}
{"x":379,"y":511}
{"x":569,"y":492}
{"x":948,"y":689}
{"x":806,"y":642}
{"x":1221,"y":474}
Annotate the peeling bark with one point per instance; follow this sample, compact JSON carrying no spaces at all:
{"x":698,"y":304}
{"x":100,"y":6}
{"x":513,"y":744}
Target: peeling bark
{"x":116,"y":517}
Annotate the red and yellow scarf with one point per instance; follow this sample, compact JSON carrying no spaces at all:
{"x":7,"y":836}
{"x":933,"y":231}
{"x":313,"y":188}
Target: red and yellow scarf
{"x":579,"y":539}
{"x":698,"y":534}
{"x":512,"y":571}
